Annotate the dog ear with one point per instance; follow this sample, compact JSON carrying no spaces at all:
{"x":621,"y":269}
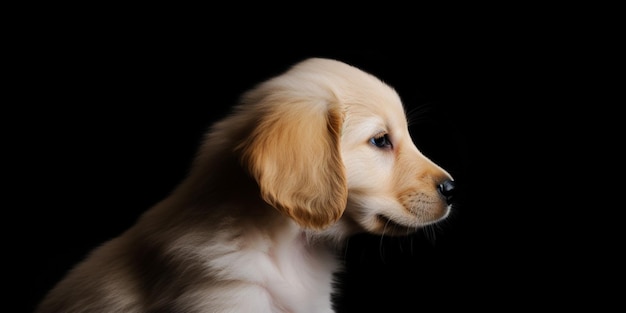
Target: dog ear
{"x":294,"y":154}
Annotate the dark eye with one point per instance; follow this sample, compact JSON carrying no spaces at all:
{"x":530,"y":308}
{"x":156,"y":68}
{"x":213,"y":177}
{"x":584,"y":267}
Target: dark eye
{"x":381,"y":141}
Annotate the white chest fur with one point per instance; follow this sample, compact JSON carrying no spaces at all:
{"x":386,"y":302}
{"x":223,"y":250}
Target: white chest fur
{"x":261,"y":271}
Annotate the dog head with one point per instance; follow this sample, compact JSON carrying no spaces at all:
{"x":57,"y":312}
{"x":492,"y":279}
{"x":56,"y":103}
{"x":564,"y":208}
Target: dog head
{"x":331,"y":142}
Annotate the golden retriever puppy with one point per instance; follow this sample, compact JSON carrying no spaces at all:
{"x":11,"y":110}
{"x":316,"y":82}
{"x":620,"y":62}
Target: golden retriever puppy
{"x":306,"y":159}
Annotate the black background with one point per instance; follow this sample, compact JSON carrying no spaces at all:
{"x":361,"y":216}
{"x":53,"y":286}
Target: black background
{"x":108,"y":116}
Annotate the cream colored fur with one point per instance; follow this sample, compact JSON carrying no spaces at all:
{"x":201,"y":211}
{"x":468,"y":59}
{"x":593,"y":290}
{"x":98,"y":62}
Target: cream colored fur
{"x":307,"y":159}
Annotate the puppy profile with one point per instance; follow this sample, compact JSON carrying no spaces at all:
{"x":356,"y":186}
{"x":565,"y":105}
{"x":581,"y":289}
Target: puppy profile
{"x":305,"y":160}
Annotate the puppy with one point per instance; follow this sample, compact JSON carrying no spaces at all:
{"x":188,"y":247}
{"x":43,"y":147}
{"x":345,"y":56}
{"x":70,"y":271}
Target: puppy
{"x":306,"y":159}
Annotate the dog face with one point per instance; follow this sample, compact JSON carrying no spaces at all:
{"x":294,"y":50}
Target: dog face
{"x":392,"y":187}
{"x":331,"y":142}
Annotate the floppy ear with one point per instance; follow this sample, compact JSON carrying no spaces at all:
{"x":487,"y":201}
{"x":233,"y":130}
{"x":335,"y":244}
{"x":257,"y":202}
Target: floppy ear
{"x":293,"y":153}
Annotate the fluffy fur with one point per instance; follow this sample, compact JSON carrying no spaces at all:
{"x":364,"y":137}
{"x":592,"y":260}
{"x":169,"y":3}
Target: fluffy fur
{"x":306,"y":159}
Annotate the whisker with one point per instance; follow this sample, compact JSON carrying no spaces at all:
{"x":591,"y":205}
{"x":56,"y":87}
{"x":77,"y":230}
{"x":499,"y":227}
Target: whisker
{"x":401,"y":245}
{"x":418,"y":113}
{"x":381,"y":246}
{"x":430,"y":234}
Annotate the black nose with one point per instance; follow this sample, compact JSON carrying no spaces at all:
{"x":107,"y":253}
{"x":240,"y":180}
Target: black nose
{"x":446,"y":189}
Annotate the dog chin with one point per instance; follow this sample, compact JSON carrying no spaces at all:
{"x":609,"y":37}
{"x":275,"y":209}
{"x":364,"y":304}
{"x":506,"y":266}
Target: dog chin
{"x":382,"y":224}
